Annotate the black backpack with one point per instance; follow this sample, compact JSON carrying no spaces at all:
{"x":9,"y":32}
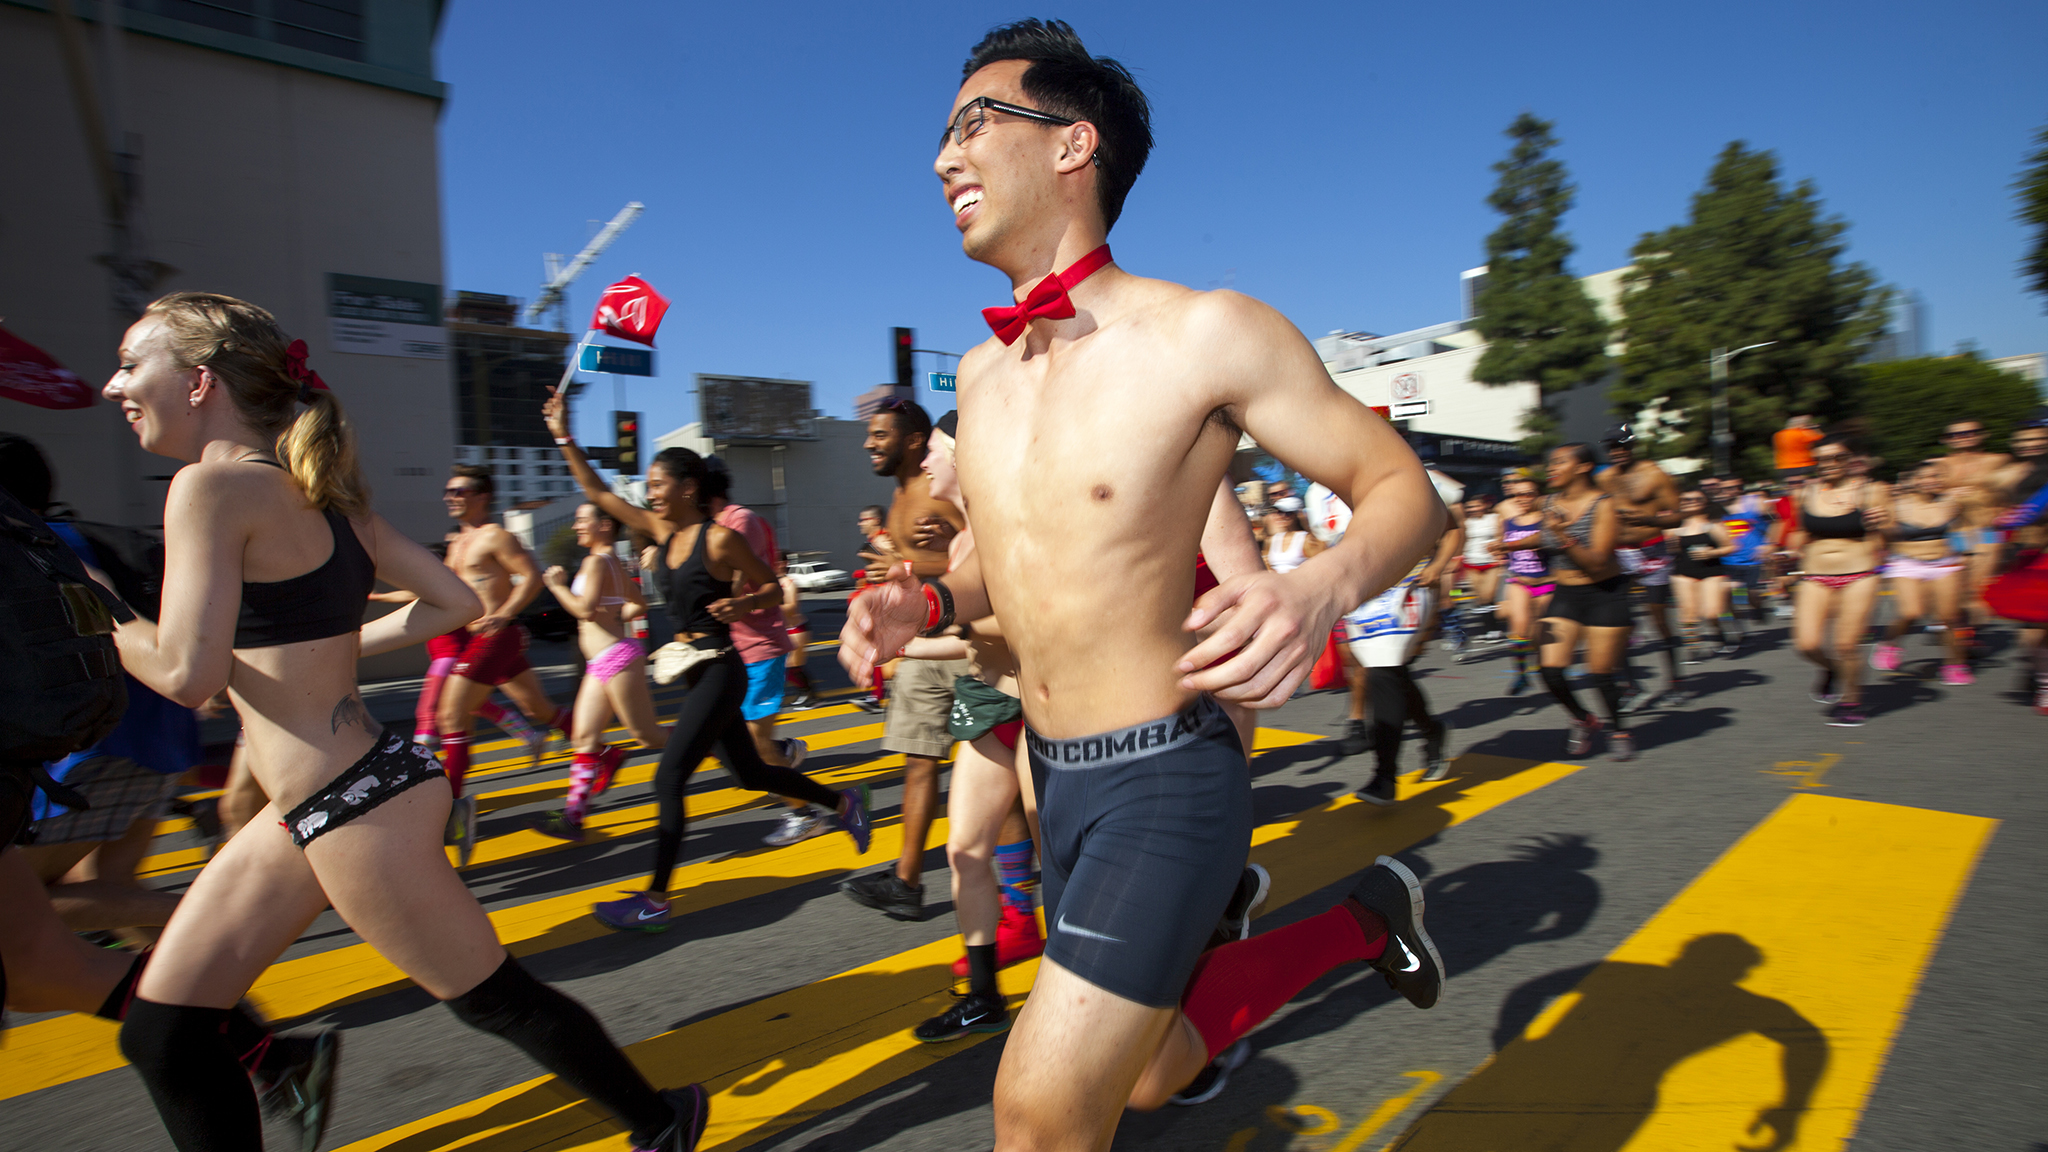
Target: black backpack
{"x":60,"y":674}
{"x":132,"y":559}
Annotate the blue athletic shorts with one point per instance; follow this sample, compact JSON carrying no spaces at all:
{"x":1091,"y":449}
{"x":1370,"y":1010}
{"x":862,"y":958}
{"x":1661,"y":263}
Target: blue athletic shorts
{"x":1144,"y":836}
{"x":764,"y":688}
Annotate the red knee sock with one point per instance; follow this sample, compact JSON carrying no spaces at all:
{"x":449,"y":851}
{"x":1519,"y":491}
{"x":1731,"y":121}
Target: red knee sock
{"x":455,"y":759}
{"x":582,"y":771}
{"x":1236,"y":987}
{"x":560,"y":723}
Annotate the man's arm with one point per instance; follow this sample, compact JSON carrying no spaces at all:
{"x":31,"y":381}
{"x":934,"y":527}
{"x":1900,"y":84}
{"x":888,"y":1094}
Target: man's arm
{"x":891,"y":613}
{"x":1276,"y":388}
{"x":1227,"y":543}
{"x":518,"y":563}
{"x":1447,"y":549}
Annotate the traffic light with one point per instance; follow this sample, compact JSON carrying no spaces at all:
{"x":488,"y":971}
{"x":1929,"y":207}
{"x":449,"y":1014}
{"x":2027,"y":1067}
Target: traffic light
{"x":900,"y":342}
{"x":626,"y":437}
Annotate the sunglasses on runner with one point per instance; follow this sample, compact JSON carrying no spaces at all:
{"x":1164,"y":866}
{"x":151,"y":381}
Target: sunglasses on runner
{"x":1963,"y":433}
{"x":453,"y":491}
{"x":973,"y":117}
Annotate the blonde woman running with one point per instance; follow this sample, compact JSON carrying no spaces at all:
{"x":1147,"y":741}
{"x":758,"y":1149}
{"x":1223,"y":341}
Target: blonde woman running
{"x":602,"y":599}
{"x":271,"y":550}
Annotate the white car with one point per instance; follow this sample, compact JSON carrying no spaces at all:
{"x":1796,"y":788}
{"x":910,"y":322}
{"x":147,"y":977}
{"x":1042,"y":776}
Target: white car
{"x":813,"y":576}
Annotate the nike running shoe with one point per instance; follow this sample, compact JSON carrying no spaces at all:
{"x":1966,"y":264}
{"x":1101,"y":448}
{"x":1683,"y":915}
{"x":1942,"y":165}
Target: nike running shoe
{"x":886,"y":892}
{"x":638,"y":912}
{"x":971,"y":1012}
{"x":1621,"y":746}
{"x":302,"y":1094}
{"x":853,"y":817}
{"x":461,"y":832}
{"x":1580,"y":740}
{"x":557,"y":824}
{"x":797,"y":824}
{"x":1252,"y":889}
{"x":1410,"y":962}
{"x":1208,"y":1083}
{"x":1017,"y":940}
{"x":1847,"y":716}
{"x":793,"y":750}
{"x":1436,"y":754}
{"x":1884,"y":656}
{"x":608,"y":762}
{"x":1957,"y":675}
{"x":1380,"y":790}
{"x":693,"y":1110}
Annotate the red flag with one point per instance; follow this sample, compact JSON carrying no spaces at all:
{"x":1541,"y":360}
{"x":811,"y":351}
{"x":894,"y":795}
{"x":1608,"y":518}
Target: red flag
{"x":631,"y":310}
{"x":33,"y":376}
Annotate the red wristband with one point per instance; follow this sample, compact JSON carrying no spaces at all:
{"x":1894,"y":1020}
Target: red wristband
{"x":933,"y":612}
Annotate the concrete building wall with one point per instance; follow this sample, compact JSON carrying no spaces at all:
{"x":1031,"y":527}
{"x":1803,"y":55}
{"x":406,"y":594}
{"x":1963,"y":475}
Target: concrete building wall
{"x":1458,"y":404}
{"x":258,"y":180}
{"x":824,"y":485}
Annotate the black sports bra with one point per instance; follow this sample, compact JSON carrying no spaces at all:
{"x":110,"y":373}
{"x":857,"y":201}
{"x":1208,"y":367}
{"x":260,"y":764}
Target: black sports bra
{"x":1847,"y":526}
{"x":328,"y":601}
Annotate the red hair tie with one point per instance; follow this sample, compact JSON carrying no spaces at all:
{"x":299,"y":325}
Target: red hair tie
{"x":295,"y":367}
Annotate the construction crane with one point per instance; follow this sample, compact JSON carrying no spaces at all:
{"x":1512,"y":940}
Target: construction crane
{"x":554,"y":294}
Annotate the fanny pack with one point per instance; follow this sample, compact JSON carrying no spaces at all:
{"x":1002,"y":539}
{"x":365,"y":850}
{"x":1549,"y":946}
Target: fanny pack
{"x":674,"y":660}
{"x":979,"y":709}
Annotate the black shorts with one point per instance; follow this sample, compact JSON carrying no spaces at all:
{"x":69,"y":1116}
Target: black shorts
{"x":1601,"y":605}
{"x":1145,"y":832}
{"x":391,"y":767}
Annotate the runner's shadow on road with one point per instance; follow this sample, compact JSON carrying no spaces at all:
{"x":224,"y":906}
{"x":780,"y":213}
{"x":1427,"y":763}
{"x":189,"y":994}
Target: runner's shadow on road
{"x":1584,"y":1051}
{"x":1890,"y":695}
{"x":1661,"y":729}
{"x":1715,"y":681}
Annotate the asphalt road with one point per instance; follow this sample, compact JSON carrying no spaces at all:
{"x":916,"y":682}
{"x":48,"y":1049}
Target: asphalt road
{"x":1638,"y":952}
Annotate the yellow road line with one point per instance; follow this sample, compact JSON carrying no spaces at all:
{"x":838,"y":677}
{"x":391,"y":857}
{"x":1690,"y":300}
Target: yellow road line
{"x":1793,"y":958}
{"x":790,"y":1058}
{"x":55,"y":1051}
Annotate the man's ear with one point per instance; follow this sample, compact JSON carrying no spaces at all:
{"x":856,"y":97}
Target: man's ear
{"x":1082,"y":142}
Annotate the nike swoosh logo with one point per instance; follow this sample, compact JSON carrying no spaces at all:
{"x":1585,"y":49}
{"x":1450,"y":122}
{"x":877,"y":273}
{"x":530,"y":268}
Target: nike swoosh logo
{"x":1414,"y":963}
{"x":653,"y":915}
{"x":1089,"y":933}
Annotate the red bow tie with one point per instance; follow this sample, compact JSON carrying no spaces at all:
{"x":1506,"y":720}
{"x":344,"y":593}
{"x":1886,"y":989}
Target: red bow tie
{"x":1047,"y":301}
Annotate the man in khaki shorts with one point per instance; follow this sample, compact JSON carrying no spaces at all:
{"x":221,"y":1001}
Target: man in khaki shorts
{"x":921,"y":527}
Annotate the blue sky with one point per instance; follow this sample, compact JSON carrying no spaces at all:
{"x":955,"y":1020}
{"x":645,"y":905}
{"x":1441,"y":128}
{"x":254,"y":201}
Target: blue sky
{"x":1332,"y":160}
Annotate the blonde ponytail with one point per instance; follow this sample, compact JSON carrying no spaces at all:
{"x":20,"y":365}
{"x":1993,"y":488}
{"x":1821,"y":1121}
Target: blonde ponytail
{"x":244,"y":347}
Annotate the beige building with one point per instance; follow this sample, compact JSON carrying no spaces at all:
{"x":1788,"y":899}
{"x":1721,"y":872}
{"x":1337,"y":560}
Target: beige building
{"x":289,"y":163}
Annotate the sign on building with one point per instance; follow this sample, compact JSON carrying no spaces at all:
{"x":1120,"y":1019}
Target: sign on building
{"x":1409,"y":409}
{"x":1407,"y":386}
{"x":754,"y":408}
{"x":376,"y":317}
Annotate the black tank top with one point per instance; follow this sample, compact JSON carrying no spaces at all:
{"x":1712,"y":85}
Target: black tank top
{"x":1685,"y":565}
{"x":691,"y":589}
{"x":328,"y":601}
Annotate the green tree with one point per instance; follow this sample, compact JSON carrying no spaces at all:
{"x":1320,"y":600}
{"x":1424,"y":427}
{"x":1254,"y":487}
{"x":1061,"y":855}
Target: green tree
{"x":2032,"y":190}
{"x":1906,"y":403}
{"x":1754,"y":263}
{"x":1538,"y":321}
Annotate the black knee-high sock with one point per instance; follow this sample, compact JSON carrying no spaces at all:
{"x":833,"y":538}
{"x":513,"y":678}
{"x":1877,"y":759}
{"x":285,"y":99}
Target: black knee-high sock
{"x":1561,"y":689}
{"x":1610,"y":693}
{"x":1389,"y":714}
{"x":246,"y":1033}
{"x":184,"y":1058}
{"x":563,"y":1037}
{"x":1418,"y":704}
{"x":1670,"y":647}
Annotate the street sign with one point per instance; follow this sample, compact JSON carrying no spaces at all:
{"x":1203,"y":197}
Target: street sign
{"x":941,"y":381}
{"x":616,"y":361}
{"x":1409,"y":409}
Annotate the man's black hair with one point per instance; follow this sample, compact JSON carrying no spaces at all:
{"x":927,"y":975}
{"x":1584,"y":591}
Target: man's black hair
{"x":911,"y":419}
{"x":481,"y":473}
{"x":877,"y":511}
{"x":25,"y":471}
{"x":1581,"y":451}
{"x":682,"y":464}
{"x":717,"y":479}
{"x":1065,"y":80}
{"x":949,"y":423}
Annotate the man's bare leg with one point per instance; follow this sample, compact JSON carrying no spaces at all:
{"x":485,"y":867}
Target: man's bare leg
{"x":1071,"y":1064}
{"x":527,"y":694}
{"x":99,"y":889}
{"x":920,"y":803}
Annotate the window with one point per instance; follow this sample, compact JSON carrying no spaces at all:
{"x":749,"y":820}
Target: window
{"x":329,"y":27}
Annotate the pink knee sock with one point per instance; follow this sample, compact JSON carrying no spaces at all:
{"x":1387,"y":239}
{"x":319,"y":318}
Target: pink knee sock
{"x":508,"y":719}
{"x":582,"y":771}
{"x":455,"y":759}
{"x":423,"y":722}
{"x":1236,"y":987}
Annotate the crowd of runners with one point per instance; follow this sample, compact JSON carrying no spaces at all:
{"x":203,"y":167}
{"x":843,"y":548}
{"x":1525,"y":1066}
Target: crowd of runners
{"x":1082,"y":620}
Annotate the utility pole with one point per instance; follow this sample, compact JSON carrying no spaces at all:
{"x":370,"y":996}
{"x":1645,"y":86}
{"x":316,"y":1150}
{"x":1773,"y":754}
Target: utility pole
{"x":1717,"y":374}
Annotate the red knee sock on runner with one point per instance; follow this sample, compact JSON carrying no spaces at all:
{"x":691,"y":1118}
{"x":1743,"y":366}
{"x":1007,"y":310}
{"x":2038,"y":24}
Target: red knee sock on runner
{"x":424,"y":722}
{"x":560,"y":723}
{"x":1236,"y":987}
{"x":455,"y":759}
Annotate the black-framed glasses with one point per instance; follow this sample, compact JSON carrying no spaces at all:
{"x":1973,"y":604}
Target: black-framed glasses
{"x":973,"y":117}
{"x":460,"y":491}
{"x":1960,"y":434}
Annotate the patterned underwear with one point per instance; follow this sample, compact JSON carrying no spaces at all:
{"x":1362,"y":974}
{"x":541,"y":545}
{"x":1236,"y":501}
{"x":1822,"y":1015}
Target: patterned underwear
{"x":391,"y":767}
{"x":1839,"y":581}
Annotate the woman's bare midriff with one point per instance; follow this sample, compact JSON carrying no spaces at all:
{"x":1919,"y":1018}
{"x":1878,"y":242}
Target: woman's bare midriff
{"x":304,"y":717}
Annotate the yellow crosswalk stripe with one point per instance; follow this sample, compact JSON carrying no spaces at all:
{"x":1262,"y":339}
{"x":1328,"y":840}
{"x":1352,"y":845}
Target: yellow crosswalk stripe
{"x":789,"y":1058}
{"x":1759,"y":1003}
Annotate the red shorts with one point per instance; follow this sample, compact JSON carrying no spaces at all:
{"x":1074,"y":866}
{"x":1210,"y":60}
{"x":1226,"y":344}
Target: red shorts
{"x":1007,"y":732}
{"x":491,"y":659}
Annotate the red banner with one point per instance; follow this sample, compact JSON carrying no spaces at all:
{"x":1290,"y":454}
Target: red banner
{"x":33,"y":376}
{"x":631,"y":310}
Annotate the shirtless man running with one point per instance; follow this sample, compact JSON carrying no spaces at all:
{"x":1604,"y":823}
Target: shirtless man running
{"x":491,"y":651}
{"x":1968,"y":472}
{"x":1646,"y":501}
{"x":1041,"y":146}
